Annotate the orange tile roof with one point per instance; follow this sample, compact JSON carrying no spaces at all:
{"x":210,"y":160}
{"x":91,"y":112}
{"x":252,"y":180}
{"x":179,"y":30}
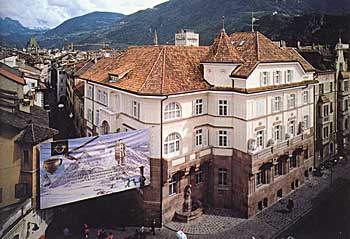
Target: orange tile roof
{"x":155,"y":70}
{"x":256,"y":48}
{"x":222,"y":50}
{"x":164,"y":70}
{"x":12,"y":76}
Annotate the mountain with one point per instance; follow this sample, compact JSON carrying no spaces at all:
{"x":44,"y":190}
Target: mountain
{"x":77,"y":28}
{"x":14,"y":34}
{"x":204,"y":16}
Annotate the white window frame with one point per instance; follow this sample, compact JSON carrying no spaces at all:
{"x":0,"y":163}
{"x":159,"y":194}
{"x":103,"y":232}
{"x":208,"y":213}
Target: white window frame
{"x":223,"y":108}
{"x":172,"y":144}
{"x":97,"y":117}
{"x":277,"y":104}
{"x":277,"y":133}
{"x":89,"y":115}
{"x":289,"y":76}
{"x":172,"y":111}
{"x":135,"y":111}
{"x":306,"y":97}
{"x":172,"y":187}
{"x":306,"y":122}
{"x":199,"y":177}
{"x":105,"y":98}
{"x":291,"y":128}
{"x":260,"y":138}
{"x":198,"y":106}
{"x":199,"y":137}
{"x":222,"y":177}
{"x":89,"y":91}
{"x":277,"y":77}
{"x":325,"y":132}
{"x":291,"y":101}
{"x":223,"y":138}
{"x":99,"y":95}
{"x":264,"y":78}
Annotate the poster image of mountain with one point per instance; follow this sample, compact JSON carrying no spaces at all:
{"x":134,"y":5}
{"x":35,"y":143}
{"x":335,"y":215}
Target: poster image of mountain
{"x":82,"y":168}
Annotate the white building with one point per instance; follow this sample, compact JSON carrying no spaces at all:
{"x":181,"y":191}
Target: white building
{"x":186,"y":37}
{"x":234,"y":120}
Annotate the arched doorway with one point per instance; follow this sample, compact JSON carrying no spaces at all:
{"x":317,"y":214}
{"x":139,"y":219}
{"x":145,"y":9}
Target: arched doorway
{"x":105,"y":127}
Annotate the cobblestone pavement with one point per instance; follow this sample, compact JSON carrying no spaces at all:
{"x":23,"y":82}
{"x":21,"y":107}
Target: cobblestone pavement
{"x":219,"y":224}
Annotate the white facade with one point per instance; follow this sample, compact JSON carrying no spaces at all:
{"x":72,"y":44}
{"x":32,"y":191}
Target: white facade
{"x":186,"y":38}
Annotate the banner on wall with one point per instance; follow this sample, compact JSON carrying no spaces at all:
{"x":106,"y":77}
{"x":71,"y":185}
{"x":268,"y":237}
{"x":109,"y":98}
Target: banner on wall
{"x":77,"y":169}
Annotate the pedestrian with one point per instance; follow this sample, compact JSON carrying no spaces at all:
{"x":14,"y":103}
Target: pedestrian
{"x":110,"y":235}
{"x":154,"y":227}
{"x":86,"y":230}
{"x":142,"y":233}
{"x":290,"y":205}
{"x":103,"y":234}
{"x":66,"y":232}
{"x":99,"y":234}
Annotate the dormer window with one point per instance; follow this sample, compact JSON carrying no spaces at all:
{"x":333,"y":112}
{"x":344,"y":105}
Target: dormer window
{"x":289,"y":76}
{"x":264,"y":78}
{"x":241,"y":43}
{"x":113,"y":78}
{"x":277,"y":77}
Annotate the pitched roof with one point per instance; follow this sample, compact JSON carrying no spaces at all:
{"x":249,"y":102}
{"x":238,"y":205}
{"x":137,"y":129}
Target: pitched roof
{"x":79,"y":89}
{"x":154,"y":70}
{"x":34,"y":134}
{"x":256,"y":48}
{"x":222,"y":50}
{"x":12,"y":76}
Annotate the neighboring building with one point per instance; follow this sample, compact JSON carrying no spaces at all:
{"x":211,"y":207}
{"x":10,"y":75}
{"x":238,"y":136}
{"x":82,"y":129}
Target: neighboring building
{"x":32,"y":45}
{"x":186,"y":37}
{"x":231,"y":119}
{"x":23,"y":127}
{"x":343,"y":78}
{"x":325,"y":106}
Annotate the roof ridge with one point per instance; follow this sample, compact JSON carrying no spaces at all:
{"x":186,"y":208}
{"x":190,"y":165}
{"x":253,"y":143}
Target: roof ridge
{"x":163,"y":73}
{"x":257,"y":46}
{"x":150,"y":72}
{"x":32,"y":126}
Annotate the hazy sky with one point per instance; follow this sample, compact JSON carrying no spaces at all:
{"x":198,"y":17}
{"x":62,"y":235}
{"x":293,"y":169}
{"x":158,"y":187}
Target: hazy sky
{"x":50,"y":13}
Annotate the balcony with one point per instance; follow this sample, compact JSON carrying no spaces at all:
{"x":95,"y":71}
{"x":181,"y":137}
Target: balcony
{"x":283,"y":146}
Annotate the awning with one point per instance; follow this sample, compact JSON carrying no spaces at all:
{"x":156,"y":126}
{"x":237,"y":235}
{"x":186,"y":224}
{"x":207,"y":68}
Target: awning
{"x":283,"y":158}
{"x":266,"y":166}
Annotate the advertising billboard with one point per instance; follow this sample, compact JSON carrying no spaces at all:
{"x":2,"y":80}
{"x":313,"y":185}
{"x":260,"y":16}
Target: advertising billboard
{"x":77,"y":169}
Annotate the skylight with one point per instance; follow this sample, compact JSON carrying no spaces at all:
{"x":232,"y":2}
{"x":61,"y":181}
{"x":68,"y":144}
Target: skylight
{"x":242,"y":43}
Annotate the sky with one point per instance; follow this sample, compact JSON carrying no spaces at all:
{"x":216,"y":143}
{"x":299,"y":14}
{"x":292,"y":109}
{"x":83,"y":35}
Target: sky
{"x":50,"y":13}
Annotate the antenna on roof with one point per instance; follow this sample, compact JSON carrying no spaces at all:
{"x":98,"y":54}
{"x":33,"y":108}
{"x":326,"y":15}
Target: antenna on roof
{"x":223,"y":23}
{"x":253,"y":21}
{"x":155,"y":39}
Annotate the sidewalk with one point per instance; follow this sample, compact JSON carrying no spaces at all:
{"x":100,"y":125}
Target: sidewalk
{"x":271,"y":222}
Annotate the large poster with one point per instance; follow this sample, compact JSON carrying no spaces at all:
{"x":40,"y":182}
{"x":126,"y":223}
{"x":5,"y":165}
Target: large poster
{"x":82,"y":168}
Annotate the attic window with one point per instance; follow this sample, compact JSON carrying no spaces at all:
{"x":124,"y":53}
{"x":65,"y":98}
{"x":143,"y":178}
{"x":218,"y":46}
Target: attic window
{"x":113,"y":78}
{"x":233,"y":42}
{"x":242,"y":43}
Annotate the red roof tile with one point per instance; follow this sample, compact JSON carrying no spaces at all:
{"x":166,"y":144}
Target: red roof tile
{"x":12,"y":76}
{"x":222,"y":50}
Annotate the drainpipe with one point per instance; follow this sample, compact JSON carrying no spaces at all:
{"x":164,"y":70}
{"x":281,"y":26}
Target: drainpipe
{"x":314,"y":123}
{"x":161,"y":161}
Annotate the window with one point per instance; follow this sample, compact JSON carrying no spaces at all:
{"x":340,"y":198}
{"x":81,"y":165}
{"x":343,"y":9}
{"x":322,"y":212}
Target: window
{"x":264,"y":78}
{"x":277,"y":133}
{"x":291,"y":101}
{"x":97,"y":116}
{"x":331,"y":86}
{"x":0,"y":195}
{"x":292,"y":128}
{"x":261,"y":178}
{"x":89,"y":116}
{"x":321,"y":90}
{"x":346,"y":104}
{"x":325,"y":132}
{"x":325,"y":110}
{"x":260,"y":107}
{"x":172,"y":186}
{"x":199,"y":107}
{"x":306,"y":154}
{"x":346,"y":123}
{"x":331,"y":127}
{"x":172,"y":144}
{"x":223,"y":107}
{"x":199,"y":177}
{"x":289,"y":76}
{"x":99,"y":95}
{"x":346,"y":85}
{"x":260,"y":138}
{"x":172,"y":111}
{"x":277,"y":103}
{"x":279,"y":193}
{"x":293,"y":161}
{"x":105,"y":98}
{"x":277,"y":77}
{"x":89,"y":91}
{"x":136,"y":109}
{"x":222,"y":177}
{"x":25,"y":157}
{"x":278,"y":169}
{"x":199,"y":137}
{"x":21,"y":190}
{"x":306,"y":97}
{"x":306,"y":121}
{"x":331,"y":107}
{"x":223,"y":138}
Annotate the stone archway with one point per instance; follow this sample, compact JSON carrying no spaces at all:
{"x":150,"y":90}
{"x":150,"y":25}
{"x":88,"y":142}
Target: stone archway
{"x":105,"y":129}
